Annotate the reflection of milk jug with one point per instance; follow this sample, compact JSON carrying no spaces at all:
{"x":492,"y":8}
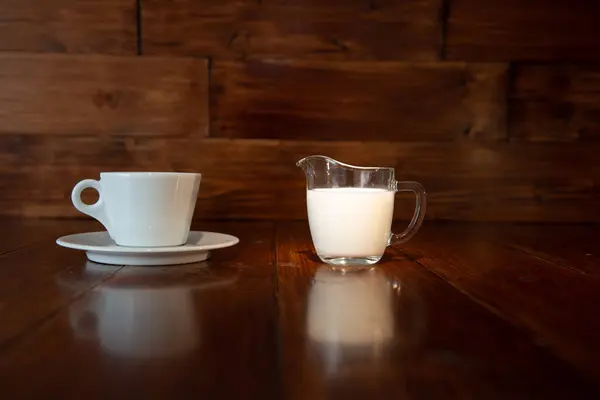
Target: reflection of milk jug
{"x":352,"y":309}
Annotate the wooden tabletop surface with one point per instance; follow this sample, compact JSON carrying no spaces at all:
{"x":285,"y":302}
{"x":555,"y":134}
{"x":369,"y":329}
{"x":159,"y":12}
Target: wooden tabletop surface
{"x":460,"y":311}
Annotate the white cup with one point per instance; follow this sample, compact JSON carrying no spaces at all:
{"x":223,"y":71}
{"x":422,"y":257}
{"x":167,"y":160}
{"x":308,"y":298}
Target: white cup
{"x":142,"y":209}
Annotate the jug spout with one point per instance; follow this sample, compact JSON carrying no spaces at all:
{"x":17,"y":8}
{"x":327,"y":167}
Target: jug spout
{"x":315,"y":164}
{"x":325,"y":172}
{"x":321,"y":171}
{"x":310,"y":160}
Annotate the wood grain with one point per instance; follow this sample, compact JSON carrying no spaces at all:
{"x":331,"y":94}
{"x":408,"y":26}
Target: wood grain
{"x":19,"y":233}
{"x":258,"y":179}
{"x":81,"y":26}
{"x":557,"y":102}
{"x":503,"y":279}
{"x":487,"y":101}
{"x":103,"y":95}
{"x":28,"y":291}
{"x":199,"y":328}
{"x":303,"y":29}
{"x":399,"y":331}
{"x":504,"y":30}
{"x":571,"y":247}
{"x":358,"y":100}
{"x":266,"y":319}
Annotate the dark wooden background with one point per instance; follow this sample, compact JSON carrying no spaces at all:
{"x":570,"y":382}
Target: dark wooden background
{"x":493,"y":105}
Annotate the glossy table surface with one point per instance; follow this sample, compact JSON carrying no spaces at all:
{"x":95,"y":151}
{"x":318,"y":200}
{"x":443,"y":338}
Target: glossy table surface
{"x":460,"y":311}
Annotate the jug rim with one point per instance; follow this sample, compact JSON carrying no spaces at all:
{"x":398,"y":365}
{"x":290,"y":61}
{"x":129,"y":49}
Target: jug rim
{"x":341,"y":163}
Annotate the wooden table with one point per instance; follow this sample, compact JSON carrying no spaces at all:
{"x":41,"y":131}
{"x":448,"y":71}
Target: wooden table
{"x":462,"y":311}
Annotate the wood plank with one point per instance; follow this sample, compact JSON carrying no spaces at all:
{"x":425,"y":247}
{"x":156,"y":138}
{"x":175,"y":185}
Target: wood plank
{"x":505,"y":30}
{"x":399,"y":331}
{"x":82,"y":26}
{"x":29,"y":293}
{"x":18,"y":233}
{"x":291,"y":99}
{"x":103,"y":95}
{"x":171,"y":332}
{"x":553,"y":303}
{"x":306,"y":29}
{"x":572,"y":247}
{"x":555,"y":103}
{"x":258,"y":179}
{"x":487,"y":100}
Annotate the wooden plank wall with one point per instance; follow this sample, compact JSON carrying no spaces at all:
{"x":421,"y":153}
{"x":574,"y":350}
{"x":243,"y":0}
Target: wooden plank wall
{"x":493,"y":105}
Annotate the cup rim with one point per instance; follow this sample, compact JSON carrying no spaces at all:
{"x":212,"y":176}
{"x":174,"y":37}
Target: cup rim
{"x":149,"y":173}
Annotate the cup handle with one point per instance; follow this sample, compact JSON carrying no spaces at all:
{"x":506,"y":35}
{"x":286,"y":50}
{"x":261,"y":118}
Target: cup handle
{"x":419,"y":215}
{"x":84,"y":320}
{"x":95,"y":210}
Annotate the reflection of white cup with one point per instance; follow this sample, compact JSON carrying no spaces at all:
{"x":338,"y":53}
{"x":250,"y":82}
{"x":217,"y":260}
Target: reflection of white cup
{"x":139,"y":322}
{"x":142,"y":209}
{"x":352,"y":309}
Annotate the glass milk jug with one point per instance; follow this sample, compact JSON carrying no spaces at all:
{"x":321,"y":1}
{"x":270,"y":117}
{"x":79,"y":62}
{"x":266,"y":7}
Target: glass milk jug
{"x":350,"y":210}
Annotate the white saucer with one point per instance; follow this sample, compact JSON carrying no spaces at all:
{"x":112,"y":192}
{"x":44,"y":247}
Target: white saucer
{"x":101,"y":248}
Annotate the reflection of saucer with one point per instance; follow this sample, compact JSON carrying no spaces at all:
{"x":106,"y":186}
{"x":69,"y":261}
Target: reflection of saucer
{"x":141,"y":313}
{"x":101,"y":248}
{"x":187,"y":276}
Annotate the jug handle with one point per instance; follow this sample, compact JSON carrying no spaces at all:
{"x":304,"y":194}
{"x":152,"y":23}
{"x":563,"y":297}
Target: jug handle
{"x":419,"y":215}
